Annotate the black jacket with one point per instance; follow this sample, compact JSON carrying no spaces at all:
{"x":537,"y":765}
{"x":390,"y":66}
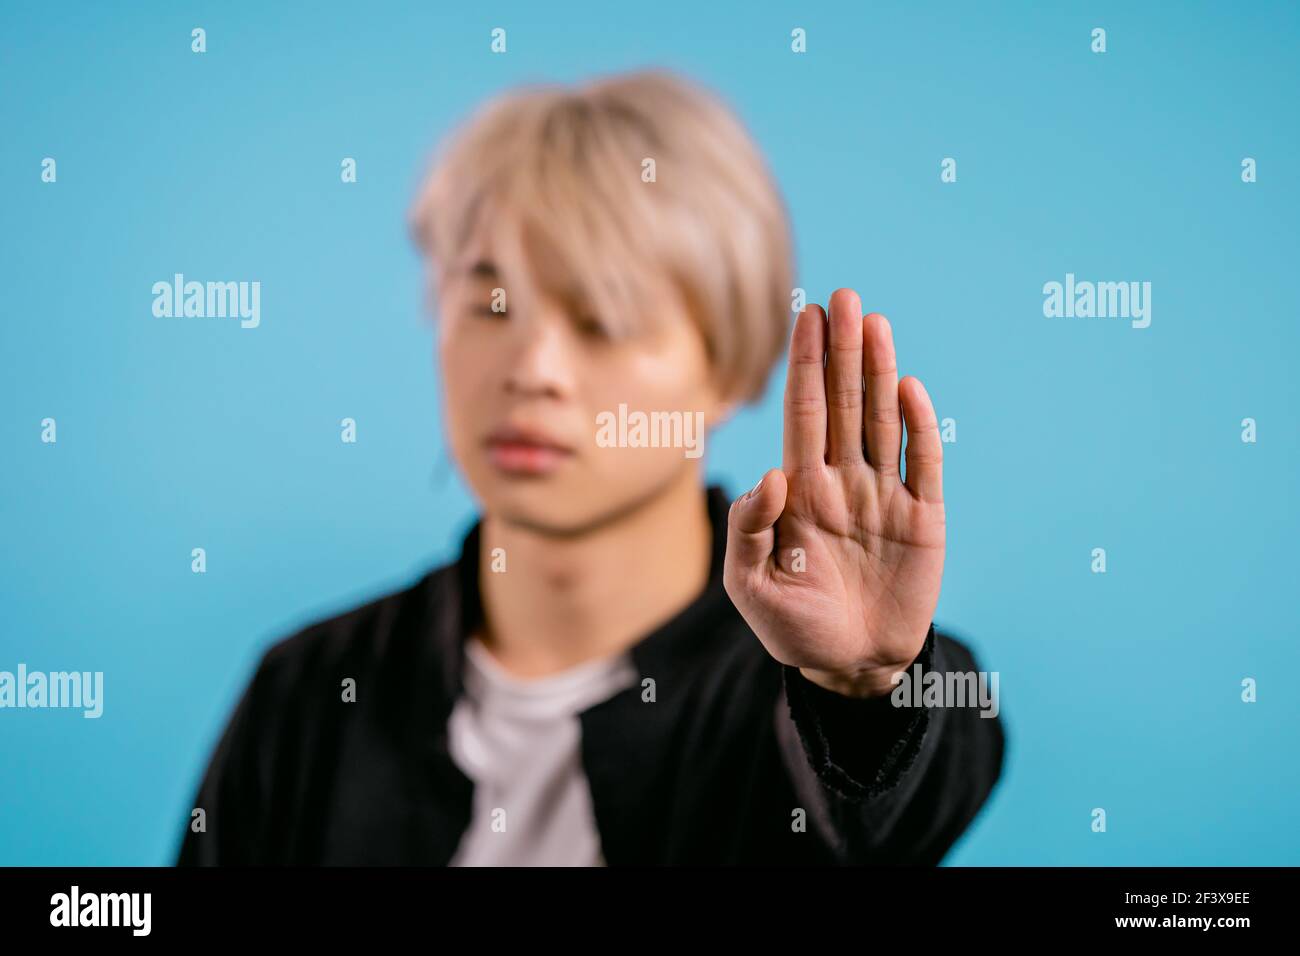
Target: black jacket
{"x":715,"y":770}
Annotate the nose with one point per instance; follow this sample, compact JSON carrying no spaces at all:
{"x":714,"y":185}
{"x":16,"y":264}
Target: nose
{"x":539,"y":365}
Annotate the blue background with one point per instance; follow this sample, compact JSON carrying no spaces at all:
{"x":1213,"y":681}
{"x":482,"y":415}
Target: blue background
{"x":1120,"y":690}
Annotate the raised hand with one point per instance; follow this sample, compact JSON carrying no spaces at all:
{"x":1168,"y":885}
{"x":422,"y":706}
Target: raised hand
{"x":834,"y":561}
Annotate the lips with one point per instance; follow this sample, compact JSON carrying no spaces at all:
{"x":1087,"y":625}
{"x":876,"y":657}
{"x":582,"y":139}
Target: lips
{"x":519,"y":450}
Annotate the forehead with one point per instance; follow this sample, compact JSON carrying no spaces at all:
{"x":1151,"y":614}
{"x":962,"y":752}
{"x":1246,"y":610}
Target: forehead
{"x":535,"y":247}
{"x":503,"y":245}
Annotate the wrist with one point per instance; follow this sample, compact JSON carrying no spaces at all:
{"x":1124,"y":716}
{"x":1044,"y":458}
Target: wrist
{"x":875,"y":680}
{"x":872,"y":682}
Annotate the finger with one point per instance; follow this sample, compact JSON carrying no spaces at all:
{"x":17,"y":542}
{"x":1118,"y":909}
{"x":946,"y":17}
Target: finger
{"x":880,"y":370}
{"x":750,"y":526}
{"x":924,"y":447}
{"x":844,"y":379}
{"x":805,"y":393}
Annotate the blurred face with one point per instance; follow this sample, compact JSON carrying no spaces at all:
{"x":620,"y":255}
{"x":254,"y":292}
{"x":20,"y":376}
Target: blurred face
{"x":533,"y":389}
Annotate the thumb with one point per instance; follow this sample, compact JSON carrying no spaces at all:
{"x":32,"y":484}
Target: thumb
{"x":751,"y":535}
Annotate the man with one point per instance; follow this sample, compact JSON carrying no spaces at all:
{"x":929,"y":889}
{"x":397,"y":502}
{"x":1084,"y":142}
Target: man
{"x":620,"y":667}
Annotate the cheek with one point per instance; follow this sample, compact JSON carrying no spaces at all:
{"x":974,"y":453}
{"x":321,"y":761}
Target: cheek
{"x":670,"y":380}
{"x":451,"y":339}
{"x":642,"y":383}
{"x":464,"y":358}
{"x":647,"y":384}
{"x":462,"y":380}
{"x":449,"y":370}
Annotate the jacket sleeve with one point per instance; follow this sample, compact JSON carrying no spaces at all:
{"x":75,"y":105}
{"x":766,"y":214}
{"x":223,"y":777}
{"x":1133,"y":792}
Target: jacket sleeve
{"x":886,"y":783}
{"x":233,"y":792}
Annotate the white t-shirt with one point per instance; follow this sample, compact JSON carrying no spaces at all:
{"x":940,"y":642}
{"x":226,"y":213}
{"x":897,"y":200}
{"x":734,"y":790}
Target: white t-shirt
{"x":519,"y":740}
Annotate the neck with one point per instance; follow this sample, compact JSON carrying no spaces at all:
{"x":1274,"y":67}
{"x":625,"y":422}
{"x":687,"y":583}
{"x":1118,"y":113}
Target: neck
{"x":566,"y":600}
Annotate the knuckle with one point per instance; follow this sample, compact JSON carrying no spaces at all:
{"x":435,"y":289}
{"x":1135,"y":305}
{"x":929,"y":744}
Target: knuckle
{"x":846,"y":397}
{"x":846,"y":457}
{"x":924,"y":458}
{"x":801,"y":473}
{"x":805,"y":404}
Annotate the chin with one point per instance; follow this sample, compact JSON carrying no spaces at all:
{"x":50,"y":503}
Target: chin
{"x":557,"y":510}
{"x":544,"y":504}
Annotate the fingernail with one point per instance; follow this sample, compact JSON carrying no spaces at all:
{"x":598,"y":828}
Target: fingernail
{"x":753,"y":491}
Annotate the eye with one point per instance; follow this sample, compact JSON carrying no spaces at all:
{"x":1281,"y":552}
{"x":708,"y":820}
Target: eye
{"x":591,"y":327}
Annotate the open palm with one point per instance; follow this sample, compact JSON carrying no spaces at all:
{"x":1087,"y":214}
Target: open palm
{"x":834,"y":560}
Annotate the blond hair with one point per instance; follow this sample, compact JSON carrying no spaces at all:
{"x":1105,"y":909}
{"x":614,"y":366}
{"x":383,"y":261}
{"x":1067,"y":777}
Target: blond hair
{"x":571,"y":164}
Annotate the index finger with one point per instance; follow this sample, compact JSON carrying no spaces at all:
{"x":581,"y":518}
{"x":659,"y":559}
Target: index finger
{"x":804,"y":446}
